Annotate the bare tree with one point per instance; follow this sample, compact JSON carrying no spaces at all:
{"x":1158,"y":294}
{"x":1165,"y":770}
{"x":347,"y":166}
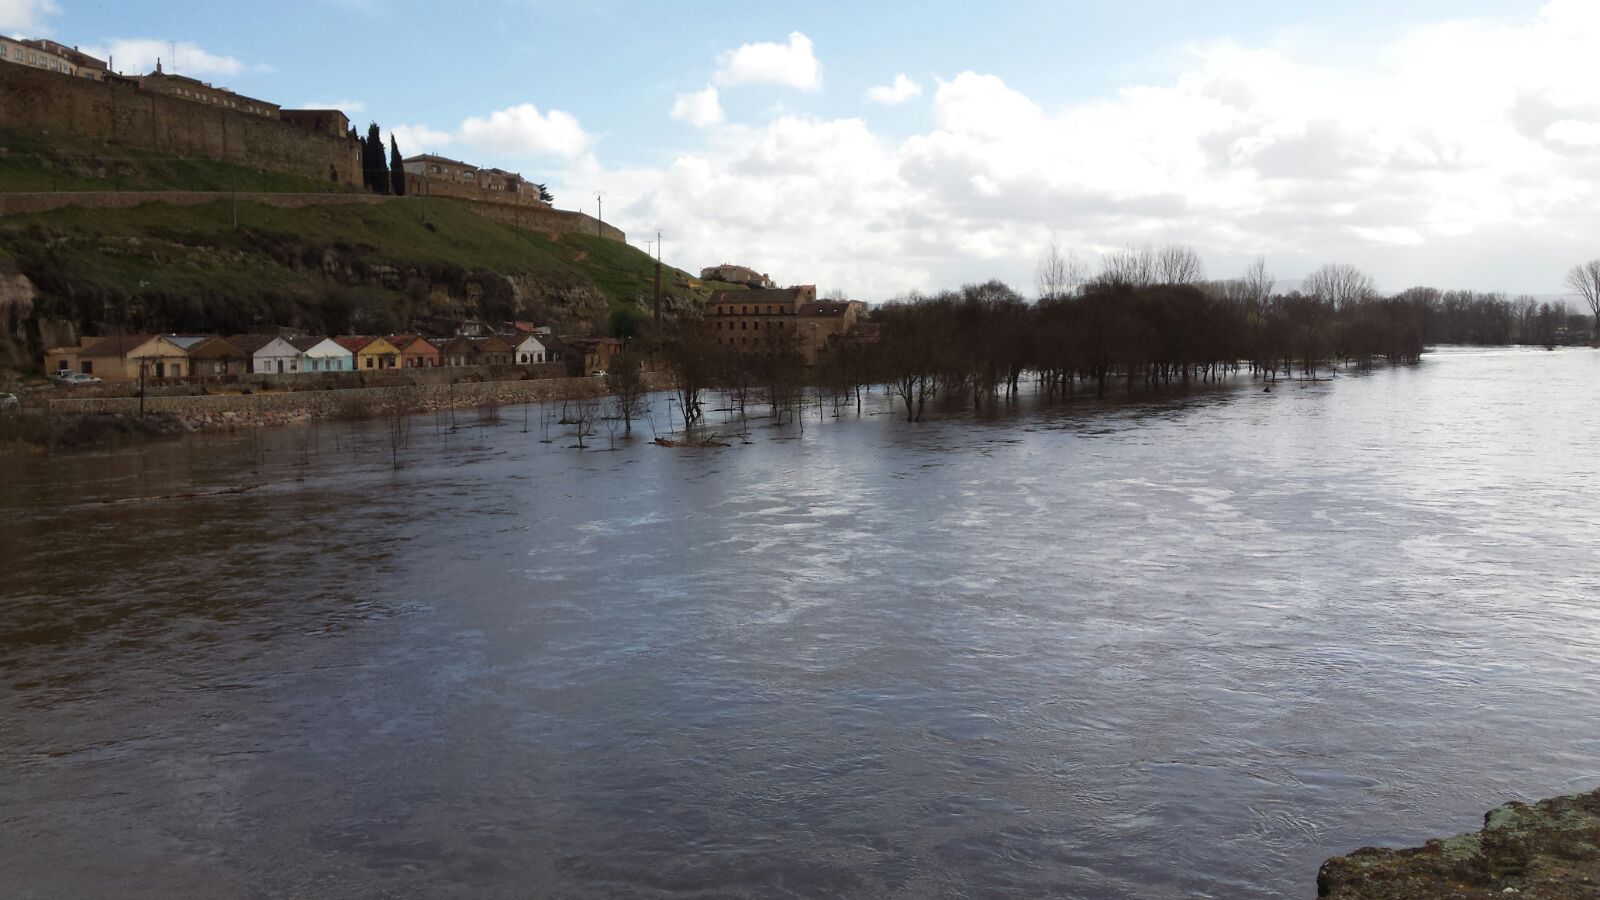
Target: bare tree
{"x":581,"y":417}
{"x":1585,"y":280}
{"x":1129,"y":267}
{"x":1258,"y":282}
{"x":1179,"y":264}
{"x":626,"y":385}
{"x":1340,"y":285}
{"x":1051,"y":277}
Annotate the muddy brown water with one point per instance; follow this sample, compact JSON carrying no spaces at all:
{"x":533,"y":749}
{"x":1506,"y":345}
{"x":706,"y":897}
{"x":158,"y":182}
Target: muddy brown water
{"x":1185,"y":645}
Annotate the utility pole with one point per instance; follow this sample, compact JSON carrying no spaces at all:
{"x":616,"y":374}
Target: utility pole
{"x":600,"y":215}
{"x":658,"y":284}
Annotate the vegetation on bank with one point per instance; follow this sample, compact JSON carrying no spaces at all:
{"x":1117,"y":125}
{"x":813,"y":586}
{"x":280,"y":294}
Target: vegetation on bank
{"x":328,"y":269}
{"x":71,"y":432}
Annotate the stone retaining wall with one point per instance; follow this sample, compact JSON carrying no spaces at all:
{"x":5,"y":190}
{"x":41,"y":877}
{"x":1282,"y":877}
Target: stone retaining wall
{"x":247,"y":410}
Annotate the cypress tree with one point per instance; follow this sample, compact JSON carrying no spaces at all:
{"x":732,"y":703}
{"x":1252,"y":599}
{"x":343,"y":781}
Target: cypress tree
{"x":397,"y":169}
{"x":373,"y":160}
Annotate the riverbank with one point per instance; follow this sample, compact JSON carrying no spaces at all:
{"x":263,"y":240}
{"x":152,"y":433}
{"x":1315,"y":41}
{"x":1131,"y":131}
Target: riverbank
{"x":75,"y":423}
{"x":233,"y":411}
{"x":1550,"y":851}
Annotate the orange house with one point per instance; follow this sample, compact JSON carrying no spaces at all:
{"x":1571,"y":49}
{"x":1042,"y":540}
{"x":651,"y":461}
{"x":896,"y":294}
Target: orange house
{"x":416,"y":351}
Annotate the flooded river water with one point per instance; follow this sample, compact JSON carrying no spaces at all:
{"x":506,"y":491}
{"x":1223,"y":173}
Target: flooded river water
{"x":1188,"y":645}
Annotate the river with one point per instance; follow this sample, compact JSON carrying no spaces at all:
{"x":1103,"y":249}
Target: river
{"x":1188,"y":644}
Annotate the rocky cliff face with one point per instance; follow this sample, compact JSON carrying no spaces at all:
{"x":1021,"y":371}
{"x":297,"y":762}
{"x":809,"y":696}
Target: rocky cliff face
{"x":17,"y":296}
{"x":1550,"y":851}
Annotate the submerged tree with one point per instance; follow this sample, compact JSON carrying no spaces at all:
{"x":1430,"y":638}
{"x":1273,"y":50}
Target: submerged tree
{"x":625,"y":383}
{"x":1585,"y":280}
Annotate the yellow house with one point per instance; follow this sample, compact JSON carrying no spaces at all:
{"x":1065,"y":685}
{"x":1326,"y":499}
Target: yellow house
{"x":121,"y":357}
{"x":371,"y":353}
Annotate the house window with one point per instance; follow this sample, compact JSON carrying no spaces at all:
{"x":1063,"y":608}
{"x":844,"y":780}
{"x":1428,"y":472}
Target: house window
{"x":62,"y":366}
{"x":369,"y":362}
{"x":88,"y":367}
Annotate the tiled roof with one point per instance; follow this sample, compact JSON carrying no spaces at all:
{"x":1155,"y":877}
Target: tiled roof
{"x":116,"y":344}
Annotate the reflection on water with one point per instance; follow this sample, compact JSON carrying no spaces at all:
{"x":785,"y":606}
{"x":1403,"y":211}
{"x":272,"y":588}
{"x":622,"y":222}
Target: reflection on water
{"x":1186,"y":646}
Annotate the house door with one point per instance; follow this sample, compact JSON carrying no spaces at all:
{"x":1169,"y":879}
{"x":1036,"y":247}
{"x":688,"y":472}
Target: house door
{"x":280,"y":367}
{"x":161,"y":370}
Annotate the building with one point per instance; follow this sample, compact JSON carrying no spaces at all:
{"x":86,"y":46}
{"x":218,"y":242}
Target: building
{"x":732,"y":274}
{"x":595,"y":353}
{"x":182,"y":87}
{"x":52,"y":57}
{"x":756,"y":321}
{"x":526,"y":349}
{"x":330,"y":122}
{"x":442,"y":168}
{"x":276,"y":357}
{"x":217,"y":356}
{"x":371,"y":353}
{"x":320,"y":354}
{"x":122,"y":357}
{"x":416,"y":351}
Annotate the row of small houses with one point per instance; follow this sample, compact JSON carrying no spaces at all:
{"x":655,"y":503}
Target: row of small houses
{"x":125,"y":357}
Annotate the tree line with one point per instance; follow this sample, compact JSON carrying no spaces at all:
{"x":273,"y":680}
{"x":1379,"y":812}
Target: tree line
{"x":1147,"y":318}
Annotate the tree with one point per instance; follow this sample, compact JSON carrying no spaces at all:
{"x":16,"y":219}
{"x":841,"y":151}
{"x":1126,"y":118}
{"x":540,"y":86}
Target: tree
{"x":625,"y":383}
{"x":1178,"y":264}
{"x":544,"y":194}
{"x":397,"y":169}
{"x":374,"y":169}
{"x":1585,"y":280}
{"x":1059,"y":277}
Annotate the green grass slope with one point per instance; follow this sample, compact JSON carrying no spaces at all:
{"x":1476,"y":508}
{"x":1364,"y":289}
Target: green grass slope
{"x":335,"y":267}
{"x":52,"y":163}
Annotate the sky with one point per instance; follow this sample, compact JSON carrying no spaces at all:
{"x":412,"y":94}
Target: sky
{"x":880,"y":148}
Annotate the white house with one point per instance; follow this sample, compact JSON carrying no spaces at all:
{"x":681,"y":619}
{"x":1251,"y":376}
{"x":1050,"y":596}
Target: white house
{"x":276,"y":357}
{"x":527,"y":349}
{"x":320,"y":354}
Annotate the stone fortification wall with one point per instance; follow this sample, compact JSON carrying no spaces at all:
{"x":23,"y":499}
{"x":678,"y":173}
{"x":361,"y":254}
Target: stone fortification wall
{"x":123,"y":115}
{"x":245,"y":410}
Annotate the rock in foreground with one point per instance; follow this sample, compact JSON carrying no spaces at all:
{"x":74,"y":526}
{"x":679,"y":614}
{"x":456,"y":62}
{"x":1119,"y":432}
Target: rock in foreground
{"x":1548,"y":850}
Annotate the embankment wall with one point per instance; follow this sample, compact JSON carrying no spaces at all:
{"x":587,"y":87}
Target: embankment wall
{"x":248,"y":410}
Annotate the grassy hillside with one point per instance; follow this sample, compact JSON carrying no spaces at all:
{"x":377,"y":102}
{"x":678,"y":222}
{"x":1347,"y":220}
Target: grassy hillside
{"x":329,"y":268}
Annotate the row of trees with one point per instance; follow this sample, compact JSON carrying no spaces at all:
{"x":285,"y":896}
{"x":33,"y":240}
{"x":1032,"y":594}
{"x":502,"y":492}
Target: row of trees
{"x":381,"y":172}
{"x":1148,"y":317}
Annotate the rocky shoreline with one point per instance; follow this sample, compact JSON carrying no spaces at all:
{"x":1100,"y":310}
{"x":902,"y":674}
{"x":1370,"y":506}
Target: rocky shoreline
{"x":1549,"y":851}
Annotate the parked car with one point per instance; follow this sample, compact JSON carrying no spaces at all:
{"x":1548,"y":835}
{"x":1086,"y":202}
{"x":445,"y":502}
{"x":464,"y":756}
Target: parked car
{"x":9,"y":402}
{"x":77,"y":379}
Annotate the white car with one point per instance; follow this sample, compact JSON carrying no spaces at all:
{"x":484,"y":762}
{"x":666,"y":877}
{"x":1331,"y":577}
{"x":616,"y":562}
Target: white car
{"x":9,"y":402}
{"x":76,"y":379}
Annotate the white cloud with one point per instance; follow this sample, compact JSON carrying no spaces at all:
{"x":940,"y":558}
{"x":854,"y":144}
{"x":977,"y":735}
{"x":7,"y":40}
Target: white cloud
{"x":1574,"y":133}
{"x":139,"y":55}
{"x":414,"y":139}
{"x":790,"y":65}
{"x":1463,"y":154}
{"x":26,"y":18}
{"x":348,"y":107}
{"x":899,"y":91}
{"x":701,"y":109}
{"x":521,"y":131}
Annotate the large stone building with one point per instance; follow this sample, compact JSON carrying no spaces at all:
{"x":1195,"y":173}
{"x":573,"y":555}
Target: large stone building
{"x":329,"y":122}
{"x":160,"y":82}
{"x":52,"y":57}
{"x":758,"y":321}
{"x":445,"y":177}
